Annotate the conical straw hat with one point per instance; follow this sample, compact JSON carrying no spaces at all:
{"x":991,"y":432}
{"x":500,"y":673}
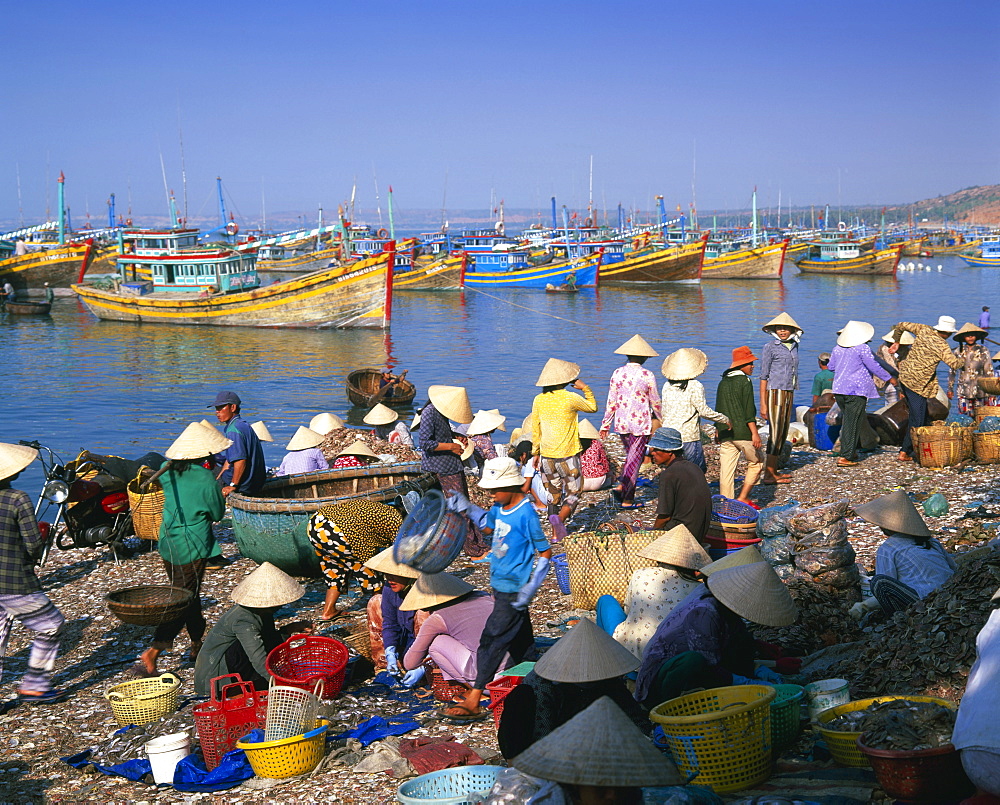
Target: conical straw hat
{"x":213,"y":426}
{"x":527,"y":424}
{"x":684,"y":364}
{"x":197,"y":441}
{"x":485,"y":421}
{"x":324,"y":423}
{"x":262,"y":432}
{"x":383,"y":562}
{"x":969,"y":329}
{"x":381,"y":415}
{"x":586,"y":653}
{"x":267,"y":586}
{"x":468,"y":447}
{"x":14,"y":458}
{"x":781,"y":318}
{"x":452,"y":401}
{"x":586,"y":430}
{"x":432,"y":589}
{"x":744,"y":556}
{"x":558,"y":373}
{"x":357,"y":448}
{"x":855,"y":333}
{"x":304,"y":438}
{"x":754,"y":592}
{"x":638,"y":347}
{"x":599,"y":746}
{"x":895,"y":512}
{"x":905,"y":339}
{"x":677,"y":547}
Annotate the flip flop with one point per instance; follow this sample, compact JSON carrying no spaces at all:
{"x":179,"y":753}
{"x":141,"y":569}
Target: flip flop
{"x":777,"y":481}
{"x":8,"y":705}
{"x":338,"y":617}
{"x":470,"y":715}
{"x":52,"y":697}
{"x":846,"y":462}
{"x":632,"y":505}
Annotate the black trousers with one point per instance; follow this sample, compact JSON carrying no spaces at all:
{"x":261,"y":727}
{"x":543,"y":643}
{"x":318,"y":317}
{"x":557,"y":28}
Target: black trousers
{"x":853,"y":407}
{"x":918,"y":417}
{"x":507,"y":630}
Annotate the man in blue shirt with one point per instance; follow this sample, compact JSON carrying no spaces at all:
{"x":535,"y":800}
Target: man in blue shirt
{"x":244,"y":471}
{"x":984,"y":318}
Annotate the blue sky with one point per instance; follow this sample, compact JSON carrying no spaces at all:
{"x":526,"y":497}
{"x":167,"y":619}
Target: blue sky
{"x":847,"y":102}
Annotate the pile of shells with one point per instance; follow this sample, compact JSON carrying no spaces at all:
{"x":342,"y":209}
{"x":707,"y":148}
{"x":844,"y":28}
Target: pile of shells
{"x":971,"y":534}
{"x":900,"y":724}
{"x":932,"y":644}
{"x":337,"y":440}
{"x":823,"y":621}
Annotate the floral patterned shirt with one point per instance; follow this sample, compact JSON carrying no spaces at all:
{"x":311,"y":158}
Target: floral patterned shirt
{"x":976,"y":363}
{"x":632,"y":401}
{"x":653,"y":592}
{"x":683,"y":408}
{"x":594,"y":461}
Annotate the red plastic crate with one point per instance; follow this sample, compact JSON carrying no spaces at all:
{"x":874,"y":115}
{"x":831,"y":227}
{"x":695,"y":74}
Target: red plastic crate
{"x":234,"y":710}
{"x":499,"y":688}
{"x":302,"y":659}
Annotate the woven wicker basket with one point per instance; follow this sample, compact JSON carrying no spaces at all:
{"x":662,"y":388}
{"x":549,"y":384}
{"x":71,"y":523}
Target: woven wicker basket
{"x":147,"y":508}
{"x":984,"y":411}
{"x":987,"y":447}
{"x":991,"y":385}
{"x":150,"y":605}
{"x":938,"y":446}
{"x":602,"y":563}
{"x":360,"y":641}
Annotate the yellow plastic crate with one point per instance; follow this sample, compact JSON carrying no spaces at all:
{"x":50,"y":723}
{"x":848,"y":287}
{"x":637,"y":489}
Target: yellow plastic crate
{"x":721,"y":736}
{"x":289,"y":756}
{"x":844,"y":745}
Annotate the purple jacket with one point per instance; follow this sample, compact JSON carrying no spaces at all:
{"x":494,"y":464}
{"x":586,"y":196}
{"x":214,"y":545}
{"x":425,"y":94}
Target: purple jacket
{"x":853,"y":368}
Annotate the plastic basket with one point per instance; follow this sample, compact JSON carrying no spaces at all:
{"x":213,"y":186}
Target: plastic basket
{"x":142,"y":701}
{"x":149,"y":605}
{"x":463,"y":785}
{"x":290,"y":711}
{"x":727,"y":510}
{"x":445,"y":690}
{"x":720,"y":736}
{"x":923,"y":775}
{"x":431,"y":537}
{"x":146,"y":508}
{"x":302,"y":659}
{"x":561,"y":565}
{"x":499,"y":688}
{"x":785,"y":714}
{"x":844,"y":745}
{"x":233,"y":710}
{"x":289,"y":757}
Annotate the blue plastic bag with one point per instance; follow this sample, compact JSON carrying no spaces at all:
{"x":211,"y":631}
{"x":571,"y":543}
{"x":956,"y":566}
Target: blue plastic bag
{"x":192,"y":775}
{"x":989,"y":424}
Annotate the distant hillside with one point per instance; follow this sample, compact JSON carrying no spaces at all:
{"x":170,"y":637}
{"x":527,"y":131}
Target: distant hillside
{"x":978,"y":205}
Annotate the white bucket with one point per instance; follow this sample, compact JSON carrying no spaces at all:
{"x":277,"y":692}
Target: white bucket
{"x":165,"y":753}
{"x":800,"y":413}
{"x":825,"y":694}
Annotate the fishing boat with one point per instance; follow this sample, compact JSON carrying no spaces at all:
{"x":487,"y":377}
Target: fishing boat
{"x":364,"y":389}
{"x":285,"y":260}
{"x":988,"y":257}
{"x":59,"y":266}
{"x":220,"y":286}
{"x":845,"y":257}
{"x":749,"y":263}
{"x":938,"y":244}
{"x":681,"y":263}
{"x":489,"y":273}
{"x":28,"y":308}
{"x":271,"y":526}
{"x":431,"y":272}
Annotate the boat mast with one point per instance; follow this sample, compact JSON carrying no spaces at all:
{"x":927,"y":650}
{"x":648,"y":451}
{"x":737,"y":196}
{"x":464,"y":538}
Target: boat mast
{"x":62,"y":208}
{"x":222,"y":207}
{"x":392,"y":218}
{"x":319,"y":228}
{"x":111,"y":211}
{"x":590,"y":203}
{"x":754,"y":220}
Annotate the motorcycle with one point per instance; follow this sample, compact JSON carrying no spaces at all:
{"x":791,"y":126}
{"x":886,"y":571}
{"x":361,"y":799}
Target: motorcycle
{"x":86,"y":498}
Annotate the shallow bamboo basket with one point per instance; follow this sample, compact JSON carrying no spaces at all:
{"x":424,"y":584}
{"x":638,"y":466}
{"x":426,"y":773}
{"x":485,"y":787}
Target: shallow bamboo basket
{"x":937,"y":446}
{"x":987,"y":447}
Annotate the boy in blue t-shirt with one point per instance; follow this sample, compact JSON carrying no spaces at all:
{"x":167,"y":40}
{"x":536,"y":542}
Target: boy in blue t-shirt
{"x":515,"y":577}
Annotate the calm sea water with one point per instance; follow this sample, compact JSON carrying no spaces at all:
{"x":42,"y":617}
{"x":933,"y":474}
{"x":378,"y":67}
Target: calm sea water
{"x":74,"y":382}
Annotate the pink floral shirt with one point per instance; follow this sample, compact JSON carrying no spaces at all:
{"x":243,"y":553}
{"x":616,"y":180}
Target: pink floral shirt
{"x":633,"y":400}
{"x":594,"y":460}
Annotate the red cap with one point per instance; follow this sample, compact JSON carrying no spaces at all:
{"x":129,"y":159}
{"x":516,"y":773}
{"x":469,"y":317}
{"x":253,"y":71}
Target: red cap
{"x":741,"y":357}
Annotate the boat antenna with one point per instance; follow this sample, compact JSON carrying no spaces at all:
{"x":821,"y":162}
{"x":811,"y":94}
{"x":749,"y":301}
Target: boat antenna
{"x":590,"y":203}
{"x":263,"y":208}
{"x":694,"y":174}
{"x":444,"y":200}
{"x":378,"y":200}
{"x":354,"y":192}
{"x":184,"y":181}
{"x":166,"y":190}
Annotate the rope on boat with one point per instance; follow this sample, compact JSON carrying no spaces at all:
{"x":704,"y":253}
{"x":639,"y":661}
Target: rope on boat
{"x":529,"y":309}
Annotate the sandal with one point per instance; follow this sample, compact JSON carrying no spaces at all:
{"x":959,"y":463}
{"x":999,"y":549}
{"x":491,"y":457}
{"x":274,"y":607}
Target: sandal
{"x":51,"y":697}
{"x":333,"y":618}
{"x":846,"y":462}
{"x":467,"y":716}
{"x":631,"y":505}
{"x":775,"y":481}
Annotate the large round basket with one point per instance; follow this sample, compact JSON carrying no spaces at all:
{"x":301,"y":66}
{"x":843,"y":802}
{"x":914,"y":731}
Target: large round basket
{"x":720,"y":736}
{"x":991,"y":385}
{"x":938,"y":446}
{"x":844,"y":745}
{"x":146,"y":507}
{"x":149,"y":605}
{"x":431,"y":536}
{"x":278,"y":760}
{"x":987,"y":447}
{"x":143,"y":701}
{"x":464,"y":785}
{"x":984,"y":411}
{"x":923,"y":775}
{"x":303,"y":659}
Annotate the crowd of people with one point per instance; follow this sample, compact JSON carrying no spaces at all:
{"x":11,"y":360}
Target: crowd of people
{"x":681,"y":624}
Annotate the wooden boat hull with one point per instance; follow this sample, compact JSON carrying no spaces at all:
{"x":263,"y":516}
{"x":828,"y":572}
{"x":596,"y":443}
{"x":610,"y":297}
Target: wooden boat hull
{"x":761,"y":263}
{"x":586,"y":271}
{"x":271,"y":527}
{"x":881,"y":263}
{"x":303,"y":263}
{"x":359,"y":296}
{"x":363,"y":384}
{"x":679,"y":264}
{"x":957,"y":248}
{"x":28,"y":308}
{"x":913,"y":248}
{"x":444,"y":273}
{"x":60,"y":267}
{"x":796,"y":250}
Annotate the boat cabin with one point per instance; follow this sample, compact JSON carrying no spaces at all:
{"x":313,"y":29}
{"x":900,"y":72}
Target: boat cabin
{"x":835,"y":250}
{"x":991,"y":249}
{"x":195,"y":270}
{"x":159,"y":241}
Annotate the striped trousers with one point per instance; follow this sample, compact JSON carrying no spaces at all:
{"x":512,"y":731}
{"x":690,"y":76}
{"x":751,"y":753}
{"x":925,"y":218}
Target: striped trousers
{"x":779,"y":415}
{"x":635,"y":452}
{"x":39,"y":614}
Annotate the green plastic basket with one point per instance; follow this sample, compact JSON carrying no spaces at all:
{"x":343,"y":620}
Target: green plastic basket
{"x":785,"y":714}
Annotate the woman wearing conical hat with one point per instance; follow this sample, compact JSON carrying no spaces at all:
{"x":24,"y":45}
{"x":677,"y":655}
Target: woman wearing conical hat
{"x":911,"y":563}
{"x":683,"y":401}
{"x":704,"y":643}
{"x":854,"y":366}
{"x":595,"y":464}
{"x":303,"y":454}
{"x":583,"y":666}
{"x":888,"y":355}
{"x":653,"y":592}
{"x":390,"y":630}
{"x":555,"y":438}
{"x":633,"y":402}
{"x":388,"y":426}
{"x":192,"y":501}
{"x":779,"y":377}
{"x":356,"y":454}
{"x":480,"y":433}
{"x":976,"y":363}
{"x":240,"y":640}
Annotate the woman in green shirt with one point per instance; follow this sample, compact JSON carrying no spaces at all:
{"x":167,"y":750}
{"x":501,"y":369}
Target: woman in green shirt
{"x":192,"y":501}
